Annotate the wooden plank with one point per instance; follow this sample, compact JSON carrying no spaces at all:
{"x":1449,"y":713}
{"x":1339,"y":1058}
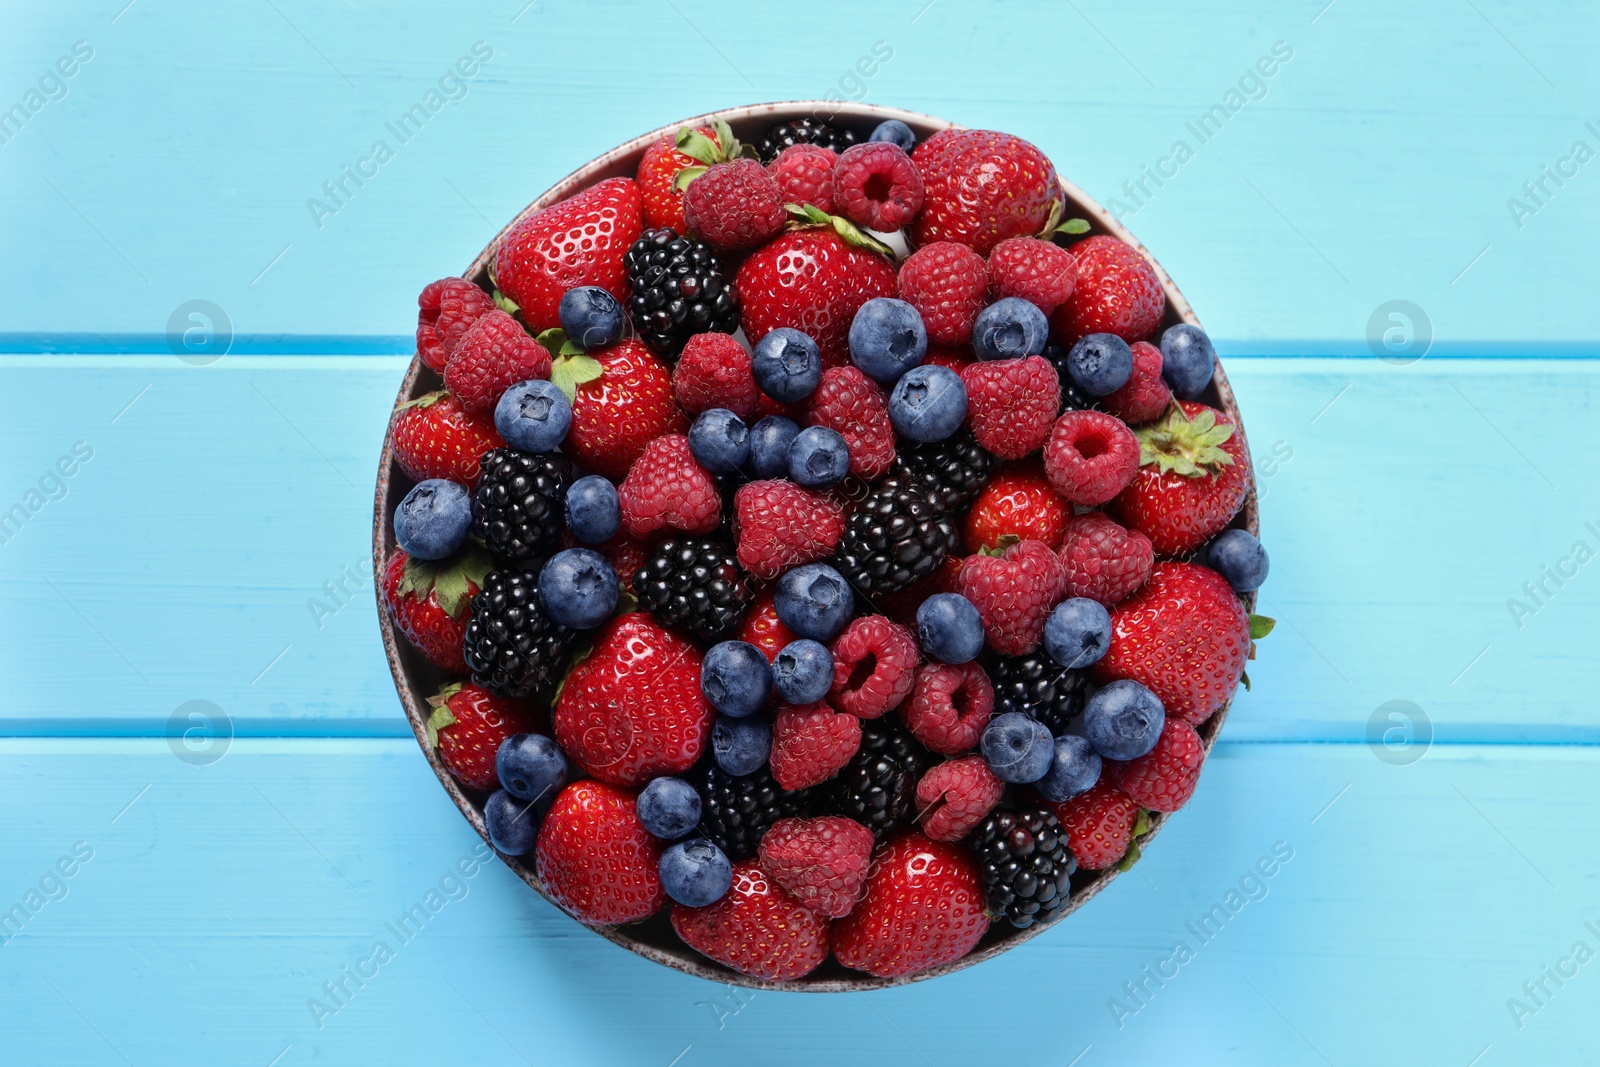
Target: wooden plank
{"x":221,"y":898}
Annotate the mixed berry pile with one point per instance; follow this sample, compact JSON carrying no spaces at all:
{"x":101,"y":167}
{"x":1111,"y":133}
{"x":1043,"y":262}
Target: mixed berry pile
{"x":824,"y":596}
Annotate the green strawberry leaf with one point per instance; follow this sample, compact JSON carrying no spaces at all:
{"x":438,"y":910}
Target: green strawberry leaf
{"x":571,"y":348}
{"x":571,"y":371}
{"x":1245,"y":678}
{"x":447,"y":579}
{"x":552,"y":340}
{"x":440,"y":718}
{"x":423,"y":401}
{"x":1141,"y":825}
{"x":505,"y":303}
{"x":626,"y":601}
{"x":1130,"y":857}
{"x":1190,"y":448}
{"x":698,"y":146}
{"x":730,"y":144}
{"x":1073,"y":226}
{"x":681,"y":180}
{"x":1261,"y":626}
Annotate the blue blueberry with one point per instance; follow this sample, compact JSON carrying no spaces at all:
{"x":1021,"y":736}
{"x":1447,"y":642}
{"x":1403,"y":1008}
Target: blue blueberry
{"x":818,"y":457}
{"x":513,"y":824}
{"x":533,"y":416}
{"x":1016,"y":748}
{"x":1187,"y":359}
{"x":787,"y":365}
{"x":896,"y":133}
{"x":578,"y":588}
{"x":814,"y":601}
{"x":531,"y":767}
{"x":1100,"y":363}
{"x":887,"y":338}
{"x":1075,"y":770}
{"x":802,"y":671}
{"x":719,"y":440}
{"x":593,"y":513}
{"x":741,"y":746}
{"x":736,"y":678}
{"x":769,"y":446}
{"x":695,"y":873}
{"x":1010,"y":329}
{"x":1077,"y":632}
{"x":1239,"y":557}
{"x":433,"y":519}
{"x":1123,"y":720}
{"x":591,"y":317}
{"x":949,"y":628}
{"x":928,"y":403}
{"x":669,"y":808}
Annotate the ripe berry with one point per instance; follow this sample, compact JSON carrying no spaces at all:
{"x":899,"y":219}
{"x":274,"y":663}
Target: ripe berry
{"x":591,"y":317}
{"x":757,"y":928}
{"x":510,"y":644}
{"x":787,"y":365}
{"x":734,"y":205}
{"x":822,"y":861}
{"x":928,"y":404}
{"x":1165,"y":777}
{"x":533,"y":416}
{"x":468,"y":725}
{"x":669,"y":808}
{"x":922,"y":907}
{"x":435,"y":437}
{"x":1099,"y":825}
{"x":596,"y":859}
{"x":736,"y":677}
{"x":894,"y":537}
{"x":804,"y":174}
{"x":954,"y":797}
{"x":896,"y":133}
{"x":741,"y":746}
{"x":802,"y":671}
{"x":818,"y":457}
{"x":949,"y":707}
{"x":1144,"y":395}
{"x":1123,"y":720}
{"x":876,"y":185}
{"x":578,"y":588}
{"x":531,"y":767}
{"x":877,"y":788}
{"x":1100,"y":363}
{"x":873,"y":664}
{"x":854,"y":405}
{"x":769,"y":446}
{"x":678,"y":291}
{"x":1011,"y":404}
{"x":1010,"y":328}
{"x":1117,"y":292}
{"x":714,"y":372}
{"x":446,"y":309}
{"x":1019,"y":503}
{"x":433,"y":520}
{"x":949,"y":628}
{"x":1017,"y":749}
{"x":695,"y":873}
{"x":887,"y":338}
{"x":720,"y":441}
{"x":692,"y":584}
{"x":812,"y":743}
{"x":1187,"y":359}
{"x":666,"y":489}
{"x":1104,"y":561}
{"x":778,"y":525}
{"x":804,"y":131}
{"x":592,"y":511}
{"x":948,"y":284}
{"x":1077,"y":633}
{"x":814,"y":601}
{"x":1090,"y":457}
{"x":1042,"y":273}
{"x":1075,"y":769}
{"x":1238,"y":556}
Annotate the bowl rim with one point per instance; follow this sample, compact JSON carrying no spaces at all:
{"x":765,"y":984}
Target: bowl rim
{"x":419,"y":380}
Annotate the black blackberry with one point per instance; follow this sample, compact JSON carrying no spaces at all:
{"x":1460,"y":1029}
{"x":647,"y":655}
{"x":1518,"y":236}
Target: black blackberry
{"x":693,"y":584}
{"x":735,"y":811}
{"x":512,"y":646}
{"x":1040,"y":688}
{"x":803,"y":131}
{"x":1072,"y":397}
{"x":894,"y":537}
{"x":517,"y":509}
{"x":678,"y":291}
{"x":878,"y":787}
{"x":1024,"y":864}
{"x":957,"y":466}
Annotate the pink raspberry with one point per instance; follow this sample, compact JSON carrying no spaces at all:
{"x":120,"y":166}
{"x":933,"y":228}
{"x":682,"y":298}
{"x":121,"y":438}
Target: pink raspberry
{"x":804,"y":172}
{"x":954,"y":797}
{"x":445,"y":310}
{"x":811,"y":744}
{"x":734,"y":205}
{"x":666,"y":489}
{"x":1103,"y":561}
{"x":873,"y":664}
{"x":778,"y":525}
{"x":494,"y":354}
{"x":957,"y":359}
{"x":1014,"y":593}
{"x":822,"y":861}
{"x":1145,"y":394}
{"x":1012,"y":404}
{"x":876,"y":185}
{"x":852,"y":404}
{"x":1090,"y":457}
{"x":714,"y":372}
{"x":1040,"y":272}
{"x":1164,"y":778}
{"x":949,"y":707}
{"x":948,"y":284}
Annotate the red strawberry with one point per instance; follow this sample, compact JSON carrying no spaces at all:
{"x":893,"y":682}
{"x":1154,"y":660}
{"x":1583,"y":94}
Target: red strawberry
{"x":666,"y":489}
{"x":1018,"y":503}
{"x":580,"y":241}
{"x":758,"y":928}
{"x":1012,"y":404}
{"x":445,"y":309}
{"x":1164,"y":778}
{"x":1193,"y":479}
{"x":628,"y":406}
{"x":874,"y":664}
{"x":855,"y":406}
{"x":658,"y":171}
{"x":734,"y":205}
{"x":813,"y":281}
{"x":811,"y":744}
{"x":435,"y":437}
{"x":1038,"y":271}
{"x":1104,"y":561}
{"x":778,"y":525}
{"x":1185,"y":636}
{"x":948,"y":284}
{"x":1013,"y":593}
{"x":596,"y":859}
{"x":982,"y":187}
{"x":467,"y":725}
{"x":949,"y":707}
{"x":495,"y":354}
{"x":1090,"y":457}
{"x":955,"y":796}
{"x":633,"y":709}
{"x":763,"y":628}
{"x":1145,"y":394}
{"x":714,"y":372}
{"x":1099,"y":825}
{"x":428,"y":602}
{"x":1117,"y":292}
{"x":876,"y":185}
{"x":804,"y":173}
{"x":923,"y":907}
{"x":822,"y":861}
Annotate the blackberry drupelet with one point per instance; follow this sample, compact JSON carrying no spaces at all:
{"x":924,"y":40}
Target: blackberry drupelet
{"x":957,"y":466}
{"x":735,"y":811}
{"x":511,"y":645}
{"x":878,"y":787}
{"x":517,"y":509}
{"x":1024,"y":864}
{"x":693,"y":584}
{"x":894,"y":537}
{"x":1072,"y":398}
{"x":803,"y":131}
{"x":678,"y":291}
{"x":1040,"y":688}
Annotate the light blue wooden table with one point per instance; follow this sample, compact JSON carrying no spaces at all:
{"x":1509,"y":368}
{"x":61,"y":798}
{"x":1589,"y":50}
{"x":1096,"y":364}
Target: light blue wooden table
{"x":1442,"y":902}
